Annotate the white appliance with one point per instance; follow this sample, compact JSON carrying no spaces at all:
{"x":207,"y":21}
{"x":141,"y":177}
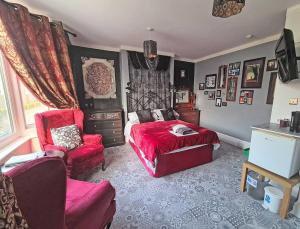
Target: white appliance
{"x":275,"y":151}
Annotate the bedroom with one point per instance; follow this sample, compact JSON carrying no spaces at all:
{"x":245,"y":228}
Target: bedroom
{"x":145,"y":114}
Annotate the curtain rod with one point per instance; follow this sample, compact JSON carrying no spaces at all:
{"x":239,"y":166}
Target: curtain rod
{"x":37,"y":16}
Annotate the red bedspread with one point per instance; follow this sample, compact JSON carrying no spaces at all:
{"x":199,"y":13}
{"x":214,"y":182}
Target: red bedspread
{"x":154,"y":138}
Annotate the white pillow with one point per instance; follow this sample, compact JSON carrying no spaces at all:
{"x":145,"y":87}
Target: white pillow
{"x":157,"y":115}
{"x":133,"y":117}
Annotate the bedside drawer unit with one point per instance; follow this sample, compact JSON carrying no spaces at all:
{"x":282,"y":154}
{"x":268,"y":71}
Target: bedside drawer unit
{"x":190,"y":116}
{"x":109,"y":124}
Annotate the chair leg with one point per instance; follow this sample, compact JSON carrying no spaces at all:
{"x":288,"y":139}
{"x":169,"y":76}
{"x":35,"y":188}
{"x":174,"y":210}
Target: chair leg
{"x":103,"y":166}
{"x":108,"y":225}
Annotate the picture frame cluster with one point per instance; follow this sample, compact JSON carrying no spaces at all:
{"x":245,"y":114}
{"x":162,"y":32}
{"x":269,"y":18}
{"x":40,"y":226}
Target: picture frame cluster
{"x":251,"y":77}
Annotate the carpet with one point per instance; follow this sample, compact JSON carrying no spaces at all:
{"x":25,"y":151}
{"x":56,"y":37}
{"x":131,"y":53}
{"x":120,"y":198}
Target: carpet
{"x":207,"y":196}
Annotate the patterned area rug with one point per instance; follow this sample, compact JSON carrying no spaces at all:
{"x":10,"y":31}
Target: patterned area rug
{"x":206,"y":196}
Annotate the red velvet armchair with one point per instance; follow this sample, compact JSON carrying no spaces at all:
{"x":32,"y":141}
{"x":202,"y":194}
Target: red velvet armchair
{"x":87,"y":156}
{"x":50,"y":200}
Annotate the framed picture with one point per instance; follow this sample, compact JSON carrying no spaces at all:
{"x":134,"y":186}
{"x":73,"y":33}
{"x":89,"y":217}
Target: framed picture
{"x":231,"y":89}
{"x":182,"y":73}
{"x":205,"y":92}
{"x":218,"y":93}
{"x":211,"y":95}
{"x":272,"y":84}
{"x":218,"y":102}
{"x":99,"y":78}
{"x":222,"y":75}
{"x":246,"y":97}
{"x":224,"y":104}
{"x":272,"y":65}
{"x":210,"y":81}
{"x":182,"y":96}
{"x":234,"y":69}
{"x":253,"y":72}
{"x":201,"y":86}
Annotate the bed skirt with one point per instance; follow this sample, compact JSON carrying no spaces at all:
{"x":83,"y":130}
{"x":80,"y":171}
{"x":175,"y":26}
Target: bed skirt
{"x":175,"y":162}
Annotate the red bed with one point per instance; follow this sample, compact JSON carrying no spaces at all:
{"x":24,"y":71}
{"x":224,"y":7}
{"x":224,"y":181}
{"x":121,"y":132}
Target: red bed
{"x":163,"y":153}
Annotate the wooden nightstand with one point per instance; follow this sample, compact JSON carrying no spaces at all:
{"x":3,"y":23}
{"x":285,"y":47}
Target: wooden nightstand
{"x":191,"y":116}
{"x":108,"y":123}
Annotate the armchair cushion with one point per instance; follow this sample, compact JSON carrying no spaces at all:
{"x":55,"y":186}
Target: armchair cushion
{"x":55,"y":148}
{"x":86,"y":201}
{"x":66,"y":136}
{"x":92,"y":139}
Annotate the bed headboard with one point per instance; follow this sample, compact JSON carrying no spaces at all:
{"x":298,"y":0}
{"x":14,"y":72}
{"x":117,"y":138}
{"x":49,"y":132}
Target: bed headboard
{"x":147,"y":100}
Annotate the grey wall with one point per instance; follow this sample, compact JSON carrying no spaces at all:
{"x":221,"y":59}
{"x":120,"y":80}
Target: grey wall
{"x":235,"y":119}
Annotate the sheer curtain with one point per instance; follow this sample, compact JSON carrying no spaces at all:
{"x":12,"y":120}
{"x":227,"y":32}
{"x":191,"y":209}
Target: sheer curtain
{"x":37,"y":50}
{"x":150,"y":87}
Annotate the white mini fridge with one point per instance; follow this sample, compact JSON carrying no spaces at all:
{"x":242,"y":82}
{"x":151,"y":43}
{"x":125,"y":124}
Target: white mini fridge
{"x":277,"y":153}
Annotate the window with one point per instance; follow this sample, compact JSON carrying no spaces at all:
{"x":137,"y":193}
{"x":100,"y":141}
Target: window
{"x":31,"y":105}
{"x":6,"y":124}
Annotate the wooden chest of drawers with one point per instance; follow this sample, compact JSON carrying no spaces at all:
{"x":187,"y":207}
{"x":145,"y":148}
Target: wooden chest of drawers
{"x":107,"y":123}
{"x":191,"y":116}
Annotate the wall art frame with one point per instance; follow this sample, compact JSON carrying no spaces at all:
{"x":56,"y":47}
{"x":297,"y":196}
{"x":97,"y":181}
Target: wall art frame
{"x":253,"y":72}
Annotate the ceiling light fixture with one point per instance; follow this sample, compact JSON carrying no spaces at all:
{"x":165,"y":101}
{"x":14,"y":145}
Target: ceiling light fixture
{"x":227,"y":8}
{"x":150,"y":51}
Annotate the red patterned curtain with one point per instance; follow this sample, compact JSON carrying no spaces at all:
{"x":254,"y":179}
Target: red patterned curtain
{"x":10,"y":214}
{"x":38,"y":52}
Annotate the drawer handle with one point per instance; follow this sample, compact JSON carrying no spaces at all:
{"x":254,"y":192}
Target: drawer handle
{"x":113,"y":123}
{"x":114,"y":132}
{"x":114,"y":139}
{"x":95,"y":126}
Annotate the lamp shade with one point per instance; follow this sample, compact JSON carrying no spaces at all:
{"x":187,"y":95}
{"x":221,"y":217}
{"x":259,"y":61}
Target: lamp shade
{"x":227,"y":8}
{"x":150,"y":49}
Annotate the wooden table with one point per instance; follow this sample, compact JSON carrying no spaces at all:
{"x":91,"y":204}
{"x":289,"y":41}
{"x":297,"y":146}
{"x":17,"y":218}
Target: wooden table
{"x":287,"y":184}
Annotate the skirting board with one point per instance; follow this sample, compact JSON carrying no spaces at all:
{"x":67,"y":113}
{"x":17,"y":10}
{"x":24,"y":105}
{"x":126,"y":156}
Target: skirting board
{"x":233,"y":141}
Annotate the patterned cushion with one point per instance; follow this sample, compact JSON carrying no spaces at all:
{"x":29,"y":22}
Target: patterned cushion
{"x":67,"y":136}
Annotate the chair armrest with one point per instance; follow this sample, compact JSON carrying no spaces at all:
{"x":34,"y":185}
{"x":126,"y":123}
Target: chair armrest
{"x":55,"y":148}
{"x":92,"y":139}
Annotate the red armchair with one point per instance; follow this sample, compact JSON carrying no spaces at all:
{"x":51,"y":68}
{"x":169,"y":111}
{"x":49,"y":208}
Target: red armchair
{"x":48,"y":199}
{"x":87,"y":156}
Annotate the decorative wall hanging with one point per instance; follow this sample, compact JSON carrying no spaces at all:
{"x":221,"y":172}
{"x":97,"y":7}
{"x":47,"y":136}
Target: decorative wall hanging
{"x":210,"y":81}
{"x":231,"y":89}
{"x":234,"y":69}
{"x":218,"y":102}
{"x":224,"y":104}
{"x":205,"y":92}
{"x":149,"y":88}
{"x":227,"y":8}
{"x":211,"y":95}
{"x":218,"y":94}
{"x":272,"y":65}
{"x":98,"y":78}
{"x":222,"y":75}
{"x":201,"y":86}
{"x":246,"y":97}
{"x":253,"y":72}
{"x":182,"y":96}
{"x":271,"y":89}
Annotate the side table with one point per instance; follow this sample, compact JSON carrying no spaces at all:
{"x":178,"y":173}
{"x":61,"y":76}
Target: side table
{"x":287,"y":184}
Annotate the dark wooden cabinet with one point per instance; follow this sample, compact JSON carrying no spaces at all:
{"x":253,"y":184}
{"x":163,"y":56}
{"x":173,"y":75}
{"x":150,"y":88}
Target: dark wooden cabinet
{"x":108,"y":123}
{"x":191,"y":116}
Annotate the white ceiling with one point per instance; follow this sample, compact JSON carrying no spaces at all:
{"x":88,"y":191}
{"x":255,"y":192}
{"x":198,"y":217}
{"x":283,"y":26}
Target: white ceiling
{"x":183,"y":27}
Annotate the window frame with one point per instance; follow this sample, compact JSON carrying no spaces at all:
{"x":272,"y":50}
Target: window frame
{"x":10,"y":100}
